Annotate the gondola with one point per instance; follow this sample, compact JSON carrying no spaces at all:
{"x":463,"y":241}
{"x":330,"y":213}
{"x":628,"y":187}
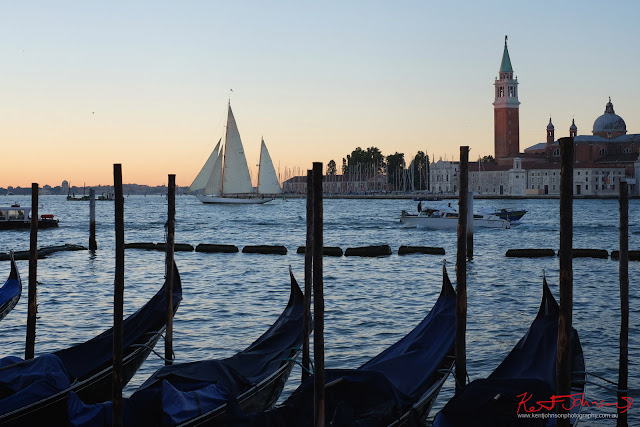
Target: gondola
{"x":11,"y":290}
{"x":528,"y":371}
{"x":35,"y":391}
{"x":398,"y":387}
{"x":197,"y":393}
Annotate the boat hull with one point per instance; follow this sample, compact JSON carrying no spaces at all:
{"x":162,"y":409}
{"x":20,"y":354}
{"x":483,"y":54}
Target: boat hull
{"x":449,"y":223}
{"x":260,"y":398}
{"x":25,"y":225}
{"x":234,"y":200}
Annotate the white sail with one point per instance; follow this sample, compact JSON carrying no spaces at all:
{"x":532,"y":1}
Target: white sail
{"x":214,"y":185}
{"x":236,"y":178}
{"x":200,"y":182}
{"x":267,"y":178}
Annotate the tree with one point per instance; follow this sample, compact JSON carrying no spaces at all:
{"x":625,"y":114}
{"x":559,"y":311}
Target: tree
{"x":419,"y":171}
{"x":395,"y":167}
{"x":487,"y":159}
{"x":365,"y":159}
{"x":331,"y":167}
{"x":345,"y":166}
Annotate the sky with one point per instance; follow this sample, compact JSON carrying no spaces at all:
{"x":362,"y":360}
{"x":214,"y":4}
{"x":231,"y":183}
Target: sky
{"x":84,"y":85}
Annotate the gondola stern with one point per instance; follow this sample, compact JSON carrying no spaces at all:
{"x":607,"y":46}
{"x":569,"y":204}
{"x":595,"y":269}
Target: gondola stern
{"x":296,"y":296}
{"x":548,"y":305}
{"x":447,"y":287}
{"x":14,"y":275}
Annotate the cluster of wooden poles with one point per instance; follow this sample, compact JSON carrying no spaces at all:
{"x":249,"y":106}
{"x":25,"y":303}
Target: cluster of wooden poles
{"x":313,"y":280}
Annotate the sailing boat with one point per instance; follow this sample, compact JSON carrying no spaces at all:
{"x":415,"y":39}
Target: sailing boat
{"x":225,"y":177}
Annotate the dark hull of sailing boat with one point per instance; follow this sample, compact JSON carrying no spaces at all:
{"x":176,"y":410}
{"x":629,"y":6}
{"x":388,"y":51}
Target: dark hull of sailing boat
{"x":10,"y":292}
{"x":197,"y":393}
{"x":528,"y":372}
{"x":88,"y":365}
{"x":397,"y":387}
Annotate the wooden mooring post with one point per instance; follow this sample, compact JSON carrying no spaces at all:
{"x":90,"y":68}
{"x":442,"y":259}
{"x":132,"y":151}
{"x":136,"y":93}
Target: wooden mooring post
{"x":461,"y":272}
{"x":563,"y":361}
{"x":318,"y":298}
{"x":308,"y":277}
{"x":32,"y":306}
{"x":623,"y":368}
{"x":118,"y":299}
{"x":469,"y":221}
{"x":92,"y":220}
{"x":169,"y":249}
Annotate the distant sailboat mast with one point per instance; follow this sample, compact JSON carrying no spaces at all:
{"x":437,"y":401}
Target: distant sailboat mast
{"x":259,"y":165}
{"x":226,"y":138}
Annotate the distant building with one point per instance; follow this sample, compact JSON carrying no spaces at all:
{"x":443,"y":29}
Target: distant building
{"x":602,"y":159}
{"x":65,"y":187}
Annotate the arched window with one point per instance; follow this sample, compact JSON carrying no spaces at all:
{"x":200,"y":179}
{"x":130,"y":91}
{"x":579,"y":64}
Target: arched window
{"x":603,"y":151}
{"x":556,"y":152}
{"x":627,"y":150}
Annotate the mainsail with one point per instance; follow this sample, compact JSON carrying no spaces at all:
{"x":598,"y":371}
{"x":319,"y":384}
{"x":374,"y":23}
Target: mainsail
{"x":267,"y":178}
{"x":200,"y":182}
{"x":236,"y":178}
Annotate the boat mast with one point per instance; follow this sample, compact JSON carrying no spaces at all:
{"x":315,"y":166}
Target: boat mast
{"x":259,"y":165}
{"x":224,"y":156}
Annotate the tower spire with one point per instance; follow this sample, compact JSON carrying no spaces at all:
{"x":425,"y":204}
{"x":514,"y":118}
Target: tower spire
{"x":506,"y":104}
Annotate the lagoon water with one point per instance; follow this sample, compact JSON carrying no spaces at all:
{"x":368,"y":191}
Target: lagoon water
{"x":230,"y":299}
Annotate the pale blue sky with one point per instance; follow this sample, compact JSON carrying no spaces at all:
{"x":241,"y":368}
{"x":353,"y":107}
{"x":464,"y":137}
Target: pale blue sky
{"x":88,"y":84}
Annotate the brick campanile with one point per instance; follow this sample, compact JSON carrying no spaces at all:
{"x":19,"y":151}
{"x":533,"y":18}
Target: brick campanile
{"x":506,"y":110}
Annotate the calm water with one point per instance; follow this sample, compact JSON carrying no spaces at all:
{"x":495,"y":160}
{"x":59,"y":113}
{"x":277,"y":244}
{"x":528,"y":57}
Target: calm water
{"x":230,"y":299}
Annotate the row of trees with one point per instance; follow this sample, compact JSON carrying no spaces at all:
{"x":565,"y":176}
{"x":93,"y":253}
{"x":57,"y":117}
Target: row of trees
{"x":371,"y":163}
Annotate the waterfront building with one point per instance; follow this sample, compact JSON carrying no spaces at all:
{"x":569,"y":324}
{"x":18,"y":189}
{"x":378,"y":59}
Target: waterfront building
{"x":603,"y":159}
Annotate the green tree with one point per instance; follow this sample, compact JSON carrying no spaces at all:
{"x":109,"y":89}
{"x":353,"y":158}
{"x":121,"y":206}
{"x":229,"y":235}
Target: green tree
{"x":331,"y":167}
{"x":395,"y":167}
{"x":487,"y":159}
{"x":420,"y":171}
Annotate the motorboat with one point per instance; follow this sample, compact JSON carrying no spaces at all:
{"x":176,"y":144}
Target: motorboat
{"x":447,"y":218}
{"x":513,"y":215}
{"x":17,"y":217}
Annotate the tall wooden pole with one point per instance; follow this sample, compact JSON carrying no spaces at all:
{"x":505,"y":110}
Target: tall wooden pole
{"x":118,"y":299}
{"x":461,"y":272}
{"x":92,"y":220}
{"x":623,"y":368}
{"x":469,"y":221}
{"x":171,"y":232}
{"x":32,"y":308}
{"x":308,"y":276}
{"x":563,"y":364}
{"x":318,"y":298}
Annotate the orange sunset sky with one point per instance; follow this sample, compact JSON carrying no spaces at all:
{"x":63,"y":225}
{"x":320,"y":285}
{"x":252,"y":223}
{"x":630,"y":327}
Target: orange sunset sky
{"x":88,"y":84}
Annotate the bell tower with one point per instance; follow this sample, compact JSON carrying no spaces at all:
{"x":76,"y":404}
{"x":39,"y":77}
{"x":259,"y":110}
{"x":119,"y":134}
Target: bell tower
{"x":506,"y":110}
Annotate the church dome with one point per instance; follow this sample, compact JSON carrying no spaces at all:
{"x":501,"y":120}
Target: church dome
{"x":609,"y":122}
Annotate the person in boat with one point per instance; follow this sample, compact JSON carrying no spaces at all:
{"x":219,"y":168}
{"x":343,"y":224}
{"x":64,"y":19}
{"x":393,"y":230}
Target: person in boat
{"x":419,"y":206}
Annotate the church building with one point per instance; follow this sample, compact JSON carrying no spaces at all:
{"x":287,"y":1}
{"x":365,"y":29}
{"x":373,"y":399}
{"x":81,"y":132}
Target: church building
{"x":603,"y":159}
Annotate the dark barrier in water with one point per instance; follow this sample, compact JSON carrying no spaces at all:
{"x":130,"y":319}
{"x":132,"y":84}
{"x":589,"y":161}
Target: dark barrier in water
{"x":182,"y":247}
{"x":590,"y":253}
{"x":264,"y":249}
{"x":42,"y":252}
{"x":326,"y":250}
{"x":530,"y":253}
{"x":633,"y":255}
{"x":381,"y":250}
{"x":204,"y":247}
{"x":403,"y":250}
